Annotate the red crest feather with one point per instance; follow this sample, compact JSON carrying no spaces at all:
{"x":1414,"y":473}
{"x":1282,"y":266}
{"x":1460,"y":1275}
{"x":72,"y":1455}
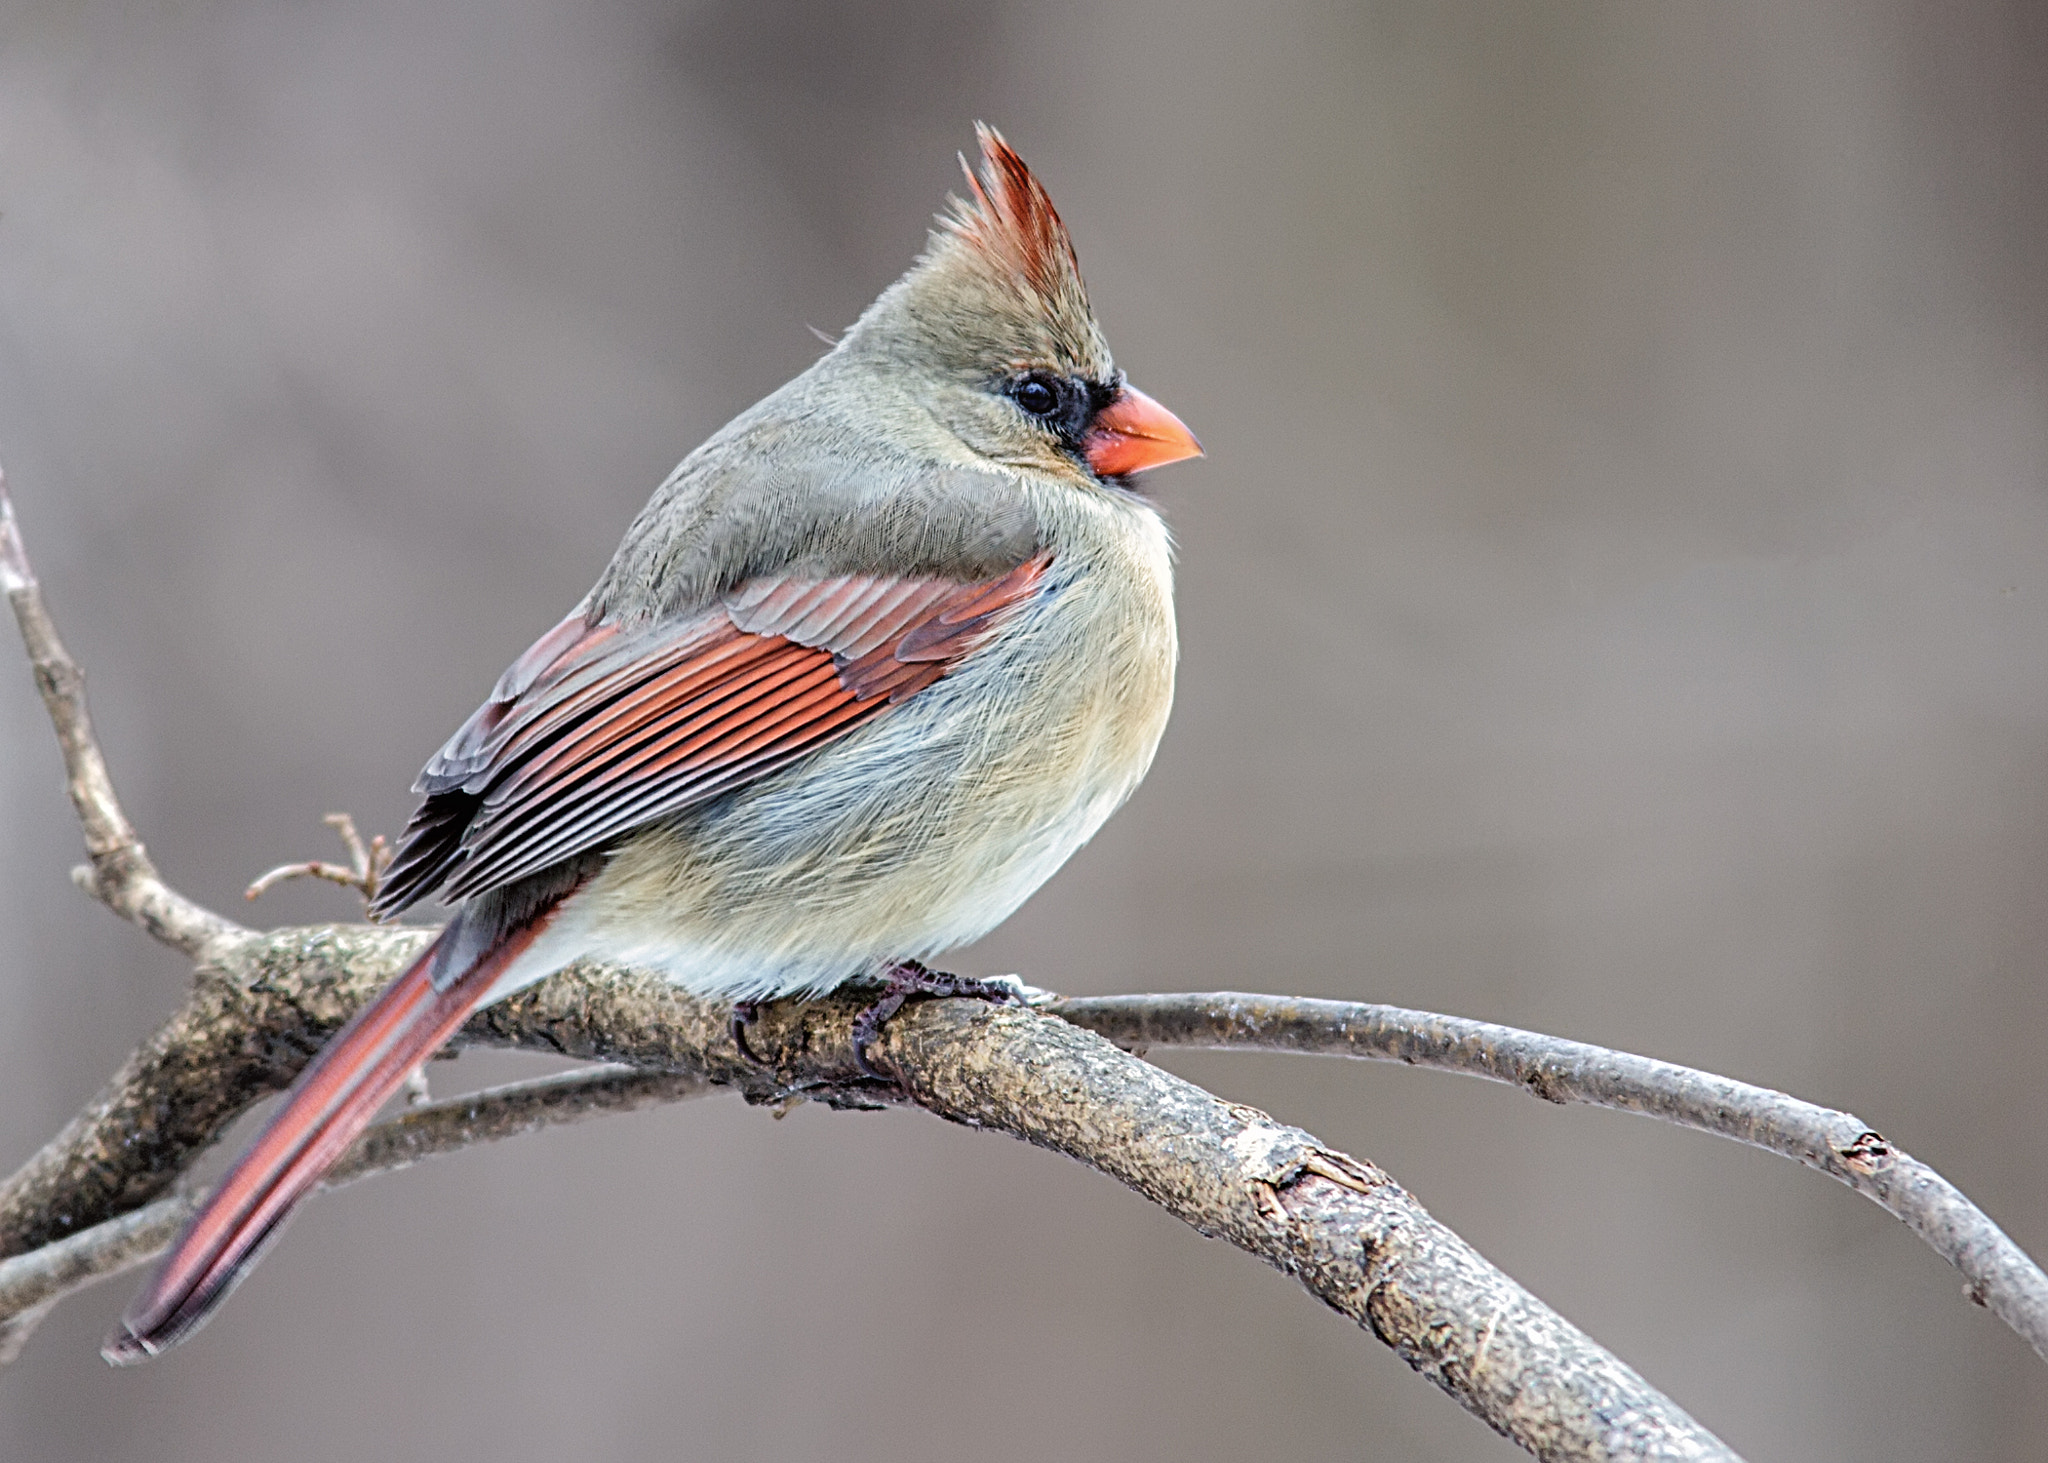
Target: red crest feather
{"x":1012,"y":221}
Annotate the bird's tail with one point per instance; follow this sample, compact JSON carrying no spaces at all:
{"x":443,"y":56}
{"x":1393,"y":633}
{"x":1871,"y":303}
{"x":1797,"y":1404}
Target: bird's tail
{"x":328,"y":1107}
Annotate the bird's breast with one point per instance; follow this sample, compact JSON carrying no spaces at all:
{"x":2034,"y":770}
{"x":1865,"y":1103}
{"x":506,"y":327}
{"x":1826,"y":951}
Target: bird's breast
{"x":930,"y":825}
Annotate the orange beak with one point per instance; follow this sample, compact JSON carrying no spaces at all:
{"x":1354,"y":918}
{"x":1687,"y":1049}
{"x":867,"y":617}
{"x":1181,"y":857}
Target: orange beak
{"x":1135,"y":432}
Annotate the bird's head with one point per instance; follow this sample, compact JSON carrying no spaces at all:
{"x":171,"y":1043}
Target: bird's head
{"x":991,"y":329}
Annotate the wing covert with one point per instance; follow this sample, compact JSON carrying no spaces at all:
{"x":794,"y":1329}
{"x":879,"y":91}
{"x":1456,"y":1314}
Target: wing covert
{"x":598,"y":728}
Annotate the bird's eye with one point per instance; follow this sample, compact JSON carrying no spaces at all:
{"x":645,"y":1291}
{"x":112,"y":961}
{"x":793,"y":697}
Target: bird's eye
{"x":1036,"y":395}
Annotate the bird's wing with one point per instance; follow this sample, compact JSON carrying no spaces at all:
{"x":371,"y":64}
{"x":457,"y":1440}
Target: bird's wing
{"x":597,"y":729}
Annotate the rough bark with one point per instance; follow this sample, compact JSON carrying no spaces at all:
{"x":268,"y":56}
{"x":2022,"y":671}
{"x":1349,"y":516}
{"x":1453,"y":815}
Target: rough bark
{"x":94,"y":1199}
{"x":1350,"y":1234}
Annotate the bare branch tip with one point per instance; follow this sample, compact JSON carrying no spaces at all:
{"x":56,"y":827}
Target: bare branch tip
{"x":15,"y":573}
{"x":364,"y":872}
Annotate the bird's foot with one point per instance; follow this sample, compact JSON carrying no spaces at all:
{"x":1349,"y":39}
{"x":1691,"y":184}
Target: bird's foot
{"x":744,"y":1014}
{"x":910,"y":978}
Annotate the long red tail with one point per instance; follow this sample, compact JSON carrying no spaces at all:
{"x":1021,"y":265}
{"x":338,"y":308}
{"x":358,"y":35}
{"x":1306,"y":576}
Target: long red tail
{"x":329,"y":1106}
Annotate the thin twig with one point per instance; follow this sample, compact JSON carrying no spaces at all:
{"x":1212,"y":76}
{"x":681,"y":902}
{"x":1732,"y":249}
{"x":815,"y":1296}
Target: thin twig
{"x":1997,"y":1273}
{"x":32,"y":1283}
{"x":120,"y":874}
{"x":312,"y":869}
{"x":363,"y":873}
{"x":364,"y":859}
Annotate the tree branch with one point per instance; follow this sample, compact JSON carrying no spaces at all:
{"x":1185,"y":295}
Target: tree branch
{"x":94,"y":1198}
{"x":1352,"y":1236}
{"x":30,"y":1284}
{"x":120,"y":874}
{"x":1997,"y":1273}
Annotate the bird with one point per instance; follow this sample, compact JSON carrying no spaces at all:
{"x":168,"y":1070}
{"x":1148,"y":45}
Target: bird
{"x":864,"y":672}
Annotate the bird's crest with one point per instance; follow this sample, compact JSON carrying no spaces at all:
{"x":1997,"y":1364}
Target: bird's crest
{"x":998,"y":285}
{"x":1011,"y":222}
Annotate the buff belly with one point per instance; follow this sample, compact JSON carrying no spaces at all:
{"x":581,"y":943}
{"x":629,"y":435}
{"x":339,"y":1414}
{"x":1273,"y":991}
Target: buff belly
{"x":916,"y":834}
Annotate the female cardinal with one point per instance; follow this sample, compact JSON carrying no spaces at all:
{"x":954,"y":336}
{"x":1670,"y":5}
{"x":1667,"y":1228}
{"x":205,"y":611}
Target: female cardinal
{"x":869,"y":666}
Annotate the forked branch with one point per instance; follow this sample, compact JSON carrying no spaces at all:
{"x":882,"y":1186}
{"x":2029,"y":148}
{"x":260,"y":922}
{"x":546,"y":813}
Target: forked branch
{"x":1996,"y":1272}
{"x":100,"y":1196}
{"x":364,"y":871}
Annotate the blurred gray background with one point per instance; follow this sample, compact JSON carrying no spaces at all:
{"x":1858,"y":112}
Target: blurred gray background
{"x":1613,"y":604}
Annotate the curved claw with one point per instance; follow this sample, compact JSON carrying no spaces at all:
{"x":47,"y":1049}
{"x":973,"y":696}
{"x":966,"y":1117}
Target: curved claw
{"x":744,"y":1014}
{"x":912,"y":978}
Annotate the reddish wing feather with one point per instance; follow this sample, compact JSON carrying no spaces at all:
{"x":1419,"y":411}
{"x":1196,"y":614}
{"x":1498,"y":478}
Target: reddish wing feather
{"x":596,"y":730}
